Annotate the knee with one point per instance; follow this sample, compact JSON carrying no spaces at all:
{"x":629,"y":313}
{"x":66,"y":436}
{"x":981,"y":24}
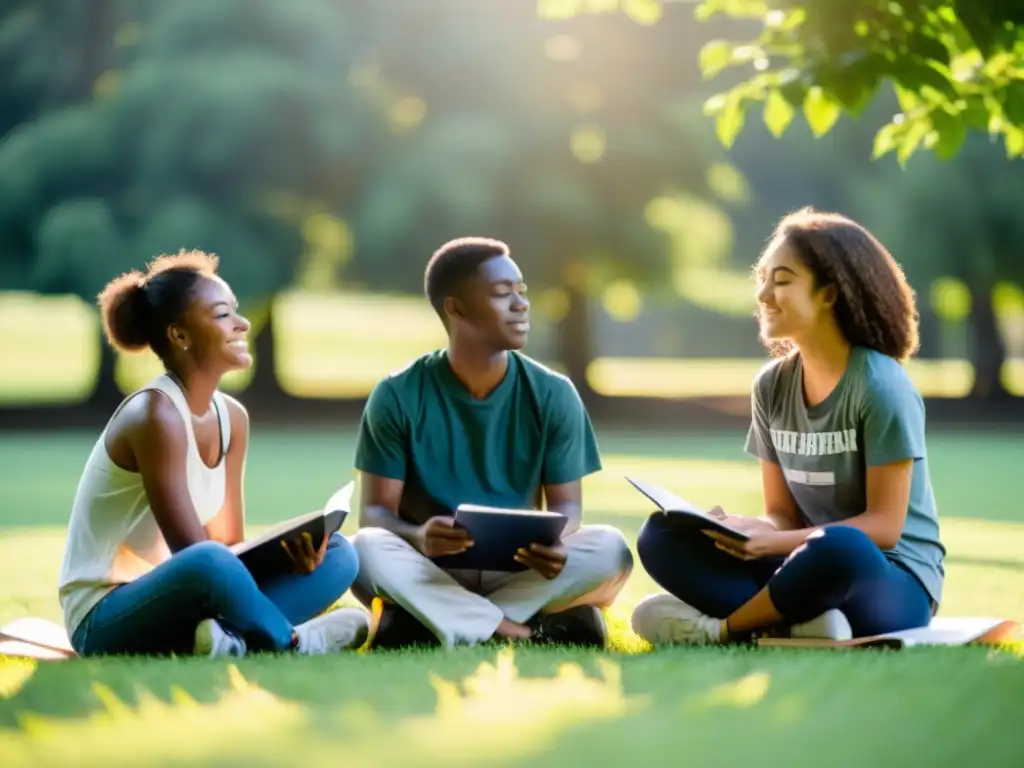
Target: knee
{"x":839,"y":550}
{"x":342,"y":560}
{"x":651,"y":541}
{"x":839,"y":543}
{"x":371,"y":546}
{"x":606,"y":548}
{"x":205,"y":567}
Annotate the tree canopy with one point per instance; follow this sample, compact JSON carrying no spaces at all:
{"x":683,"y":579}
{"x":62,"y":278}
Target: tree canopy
{"x":955,"y":66}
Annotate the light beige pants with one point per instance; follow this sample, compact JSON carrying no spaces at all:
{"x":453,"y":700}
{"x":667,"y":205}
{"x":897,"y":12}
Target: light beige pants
{"x":463,"y":606}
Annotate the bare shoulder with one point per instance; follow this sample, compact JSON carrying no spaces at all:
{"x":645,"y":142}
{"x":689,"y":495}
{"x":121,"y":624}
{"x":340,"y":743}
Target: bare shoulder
{"x":149,"y":411}
{"x":148,"y":423}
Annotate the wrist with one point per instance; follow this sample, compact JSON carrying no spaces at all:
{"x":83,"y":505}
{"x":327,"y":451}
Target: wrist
{"x":782,"y":543}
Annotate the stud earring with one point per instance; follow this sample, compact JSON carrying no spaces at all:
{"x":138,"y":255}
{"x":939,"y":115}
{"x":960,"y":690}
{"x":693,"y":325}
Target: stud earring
{"x":185,"y":348}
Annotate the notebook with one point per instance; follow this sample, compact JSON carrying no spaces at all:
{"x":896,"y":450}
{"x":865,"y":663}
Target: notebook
{"x":264,"y":556}
{"x":941,"y":631}
{"x":682,"y":513}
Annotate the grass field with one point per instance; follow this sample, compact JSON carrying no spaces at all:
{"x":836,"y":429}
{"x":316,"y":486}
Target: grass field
{"x":531,"y":706}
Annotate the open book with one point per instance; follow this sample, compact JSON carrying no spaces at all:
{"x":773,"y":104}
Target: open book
{"x":497,"y":534}
{"x":264,"y":556}
{"x":682,"y":513}
{"x":35,"y":638}
{"x":941,"y":631}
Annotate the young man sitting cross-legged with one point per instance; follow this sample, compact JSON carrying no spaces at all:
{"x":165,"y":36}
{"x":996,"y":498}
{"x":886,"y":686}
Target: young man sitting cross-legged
{"x":479,"y":423}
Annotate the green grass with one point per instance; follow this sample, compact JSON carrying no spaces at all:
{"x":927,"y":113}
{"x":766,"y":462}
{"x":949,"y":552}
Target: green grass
{"x":531,"y":706}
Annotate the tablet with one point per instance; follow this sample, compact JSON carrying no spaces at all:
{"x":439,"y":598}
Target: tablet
{"x":498,"y":533}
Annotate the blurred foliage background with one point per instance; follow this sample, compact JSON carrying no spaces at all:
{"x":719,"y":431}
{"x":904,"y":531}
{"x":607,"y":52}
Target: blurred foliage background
{"x":635,"y":154}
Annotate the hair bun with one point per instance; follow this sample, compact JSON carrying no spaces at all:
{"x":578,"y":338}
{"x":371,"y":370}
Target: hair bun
{"x":124,"y":310}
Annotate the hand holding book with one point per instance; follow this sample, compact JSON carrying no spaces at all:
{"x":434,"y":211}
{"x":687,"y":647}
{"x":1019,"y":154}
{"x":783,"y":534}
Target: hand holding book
{"x":440,"y":536}
{"x":302,"y":552}
{"x":547,"y":561}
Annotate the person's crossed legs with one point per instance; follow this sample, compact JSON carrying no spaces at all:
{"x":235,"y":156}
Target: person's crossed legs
{"x":598,"y":564}
{"x":203,"y":600}
{"x":838,"y":584}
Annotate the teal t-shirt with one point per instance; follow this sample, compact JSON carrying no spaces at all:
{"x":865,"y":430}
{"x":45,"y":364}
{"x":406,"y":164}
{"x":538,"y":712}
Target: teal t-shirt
{"x":421,"y":425}
{"x":874,"y":416}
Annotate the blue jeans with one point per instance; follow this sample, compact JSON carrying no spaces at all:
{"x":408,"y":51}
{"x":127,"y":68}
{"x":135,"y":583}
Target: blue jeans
{"x":838,"y":568}
{"x":158,"y":612}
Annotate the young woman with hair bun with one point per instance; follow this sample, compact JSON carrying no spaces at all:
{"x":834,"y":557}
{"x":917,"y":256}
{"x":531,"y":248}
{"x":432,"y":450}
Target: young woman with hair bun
{"x":147,"y":567}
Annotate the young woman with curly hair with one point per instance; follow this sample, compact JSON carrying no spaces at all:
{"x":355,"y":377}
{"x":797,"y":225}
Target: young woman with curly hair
{"x":147,"y":566}
{"x":848,"y":545}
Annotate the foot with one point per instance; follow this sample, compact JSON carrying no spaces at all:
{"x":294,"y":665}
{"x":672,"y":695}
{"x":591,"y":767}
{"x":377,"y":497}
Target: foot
{"x":339,"y":630}
{"x":394,"y":627}
{"x":664,"y":619}
{"x":212,"y":639}
{"x":831,"y":625}
{"x":583,"y":625}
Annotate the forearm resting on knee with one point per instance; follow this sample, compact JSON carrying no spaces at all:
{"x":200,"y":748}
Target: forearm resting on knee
{"x":376,"y":516}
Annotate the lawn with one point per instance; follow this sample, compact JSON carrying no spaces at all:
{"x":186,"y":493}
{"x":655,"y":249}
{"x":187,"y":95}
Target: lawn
{"x":485,"y":707}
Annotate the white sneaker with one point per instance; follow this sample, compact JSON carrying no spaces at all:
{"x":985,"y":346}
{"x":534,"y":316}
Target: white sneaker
{"x":339,"y":630}
{"x":213,"y":640}
{"x":831,"y":625}
{"x":664,"y":619}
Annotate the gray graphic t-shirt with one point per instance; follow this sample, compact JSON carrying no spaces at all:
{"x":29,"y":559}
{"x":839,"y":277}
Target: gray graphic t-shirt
{"x":874,"y":416}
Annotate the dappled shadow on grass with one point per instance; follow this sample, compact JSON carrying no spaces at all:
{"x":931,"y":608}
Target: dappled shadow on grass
{"x":495,"y":712}
{"x":527,"y":706}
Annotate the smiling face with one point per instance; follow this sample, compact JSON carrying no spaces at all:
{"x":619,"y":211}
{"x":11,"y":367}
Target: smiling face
{"x":491,"y":306}
{"x":212,"y":329}
{"x":790,"y":305}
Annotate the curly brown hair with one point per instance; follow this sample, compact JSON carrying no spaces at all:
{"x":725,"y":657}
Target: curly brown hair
{"x":875,"y":305}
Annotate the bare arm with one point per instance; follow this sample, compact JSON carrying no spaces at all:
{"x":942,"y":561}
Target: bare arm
{"x":779,"y":505}
{"x":566,"y":499}
{"x":888,"y":497}
{"x":380,"y":498}
{"x":228,"y":526}
{"x":156,"y":437}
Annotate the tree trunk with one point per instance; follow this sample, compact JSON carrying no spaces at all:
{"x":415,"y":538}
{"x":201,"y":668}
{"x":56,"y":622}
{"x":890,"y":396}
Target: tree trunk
{"x":106,"y":395}
{"x":987,"y":350}
{"x":264,"y":389}
{"x":575,"y":349}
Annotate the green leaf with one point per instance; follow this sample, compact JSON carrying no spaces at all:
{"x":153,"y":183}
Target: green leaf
{"x":715,"y":104}
{"x":927,"y":47}
{"x":1014,"y":142}
{"x":917,"y":129}
{"x":887,"y":139}
{"x":974,"y":16}
{"x":730,"y":122}
{"x":916,"y":75}
{"x":821,"y":110}
{"x":951,"y":130}
{"x":714,"y":57}
{"x":737,"y":9}
{"x":778,"y":113}
{"x":976,"y":114}
{"x":1011,"y":97}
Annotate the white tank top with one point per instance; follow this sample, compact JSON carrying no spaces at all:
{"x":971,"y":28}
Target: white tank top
{"x":113,"y":537}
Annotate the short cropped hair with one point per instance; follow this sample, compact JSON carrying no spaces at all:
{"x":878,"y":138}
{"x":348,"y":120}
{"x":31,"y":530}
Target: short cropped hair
{"x":453,"y":263}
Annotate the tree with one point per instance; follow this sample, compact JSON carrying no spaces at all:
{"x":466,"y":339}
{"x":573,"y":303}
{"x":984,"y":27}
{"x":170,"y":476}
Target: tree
{"x":185,"y":125}
{"x":955,"y":65}
{"x":557,"y":143}
{"x":956,"y":220}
